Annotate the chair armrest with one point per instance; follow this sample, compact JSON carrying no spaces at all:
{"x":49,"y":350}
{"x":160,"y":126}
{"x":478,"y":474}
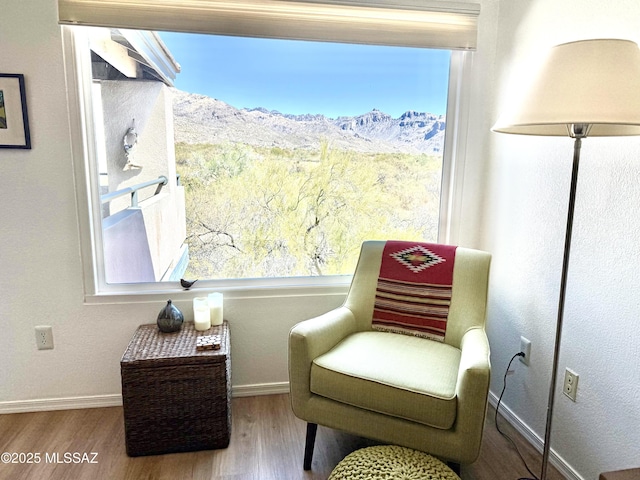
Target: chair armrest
{"x":475,"y":351}
{"x":310,"y":339}
{"x":473,"y":381}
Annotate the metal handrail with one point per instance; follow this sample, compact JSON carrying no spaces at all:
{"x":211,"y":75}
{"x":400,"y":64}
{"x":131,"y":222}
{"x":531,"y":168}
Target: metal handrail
{"x":133,"y":190}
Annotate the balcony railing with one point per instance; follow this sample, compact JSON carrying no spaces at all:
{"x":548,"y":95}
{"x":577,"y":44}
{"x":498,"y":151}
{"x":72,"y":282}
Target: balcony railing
{"x":144,"y":242}
{"x":161,"y":181}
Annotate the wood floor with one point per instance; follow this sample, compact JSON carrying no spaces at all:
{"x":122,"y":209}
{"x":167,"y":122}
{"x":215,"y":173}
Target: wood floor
{"x":267,"y":442}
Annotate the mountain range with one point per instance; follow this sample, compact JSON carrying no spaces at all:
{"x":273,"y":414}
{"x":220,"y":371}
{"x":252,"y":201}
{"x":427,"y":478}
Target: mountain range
{"x":202,"y":119}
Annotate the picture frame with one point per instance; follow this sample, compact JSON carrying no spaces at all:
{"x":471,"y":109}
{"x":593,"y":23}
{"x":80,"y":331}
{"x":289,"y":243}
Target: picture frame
{"x":14,"y":121}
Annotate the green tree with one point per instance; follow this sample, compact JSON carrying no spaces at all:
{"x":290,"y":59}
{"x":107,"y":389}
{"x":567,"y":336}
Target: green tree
{"x":256,"y":212}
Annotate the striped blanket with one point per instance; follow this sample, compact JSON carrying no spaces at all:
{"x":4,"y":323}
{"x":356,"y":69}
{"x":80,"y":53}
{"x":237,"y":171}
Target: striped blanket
{"x":414,"y":289}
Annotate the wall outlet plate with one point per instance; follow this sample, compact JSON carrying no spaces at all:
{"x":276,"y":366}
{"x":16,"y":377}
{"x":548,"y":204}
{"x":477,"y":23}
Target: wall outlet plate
{"x":570,"y":388}
{"x":525,"y":347}
{"x":44,"y":337}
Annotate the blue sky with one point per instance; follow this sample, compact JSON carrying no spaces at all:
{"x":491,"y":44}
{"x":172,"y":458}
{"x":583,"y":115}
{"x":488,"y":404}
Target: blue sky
{"x":311,"y":77}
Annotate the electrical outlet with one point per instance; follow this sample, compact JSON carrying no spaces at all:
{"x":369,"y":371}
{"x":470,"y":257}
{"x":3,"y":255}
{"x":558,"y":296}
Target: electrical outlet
{"x":44,"y":337}
{"x":570,"y":384}
{"x":525,"y":347}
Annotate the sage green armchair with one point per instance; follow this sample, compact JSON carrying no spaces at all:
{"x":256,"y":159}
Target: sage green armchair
{"x":399,"y":389}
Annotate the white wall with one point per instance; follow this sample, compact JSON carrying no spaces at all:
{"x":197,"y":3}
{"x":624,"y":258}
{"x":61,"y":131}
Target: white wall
{"x":41,"y":270}
{"x":148,"y":105}
{"x":524,"y":224}
{"x":515,"y":201}
{"x":41,"y":281}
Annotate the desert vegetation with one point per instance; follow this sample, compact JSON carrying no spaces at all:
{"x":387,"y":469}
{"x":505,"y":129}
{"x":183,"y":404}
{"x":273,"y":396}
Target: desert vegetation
{"x":256,"y":211}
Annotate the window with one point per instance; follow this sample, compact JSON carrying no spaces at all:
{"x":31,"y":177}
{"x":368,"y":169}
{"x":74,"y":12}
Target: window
{"x":288,"y":204}
{"x":307,"y":150}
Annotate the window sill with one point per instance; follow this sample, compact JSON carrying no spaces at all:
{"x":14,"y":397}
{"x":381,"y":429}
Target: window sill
{"x":239,"y":289}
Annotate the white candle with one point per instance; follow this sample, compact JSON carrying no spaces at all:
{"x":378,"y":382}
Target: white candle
{"x":215,"y":307}
{"x":201,"y":315}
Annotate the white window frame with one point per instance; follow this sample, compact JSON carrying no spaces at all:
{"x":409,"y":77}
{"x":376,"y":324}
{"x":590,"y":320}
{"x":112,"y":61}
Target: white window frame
{"x":79,"y":79}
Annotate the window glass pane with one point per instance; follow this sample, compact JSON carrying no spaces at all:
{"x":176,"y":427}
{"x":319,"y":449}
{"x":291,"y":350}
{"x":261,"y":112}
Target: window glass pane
{"x":289,"y":154}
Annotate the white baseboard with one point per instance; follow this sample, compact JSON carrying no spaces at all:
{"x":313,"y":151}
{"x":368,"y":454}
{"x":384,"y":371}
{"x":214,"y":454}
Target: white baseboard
{"x":255,"y":390}
{"x":68,"y":403}
{"x":115,"y":400}
{"x":534,"y":439}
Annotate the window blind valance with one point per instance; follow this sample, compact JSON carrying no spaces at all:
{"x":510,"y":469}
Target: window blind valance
{"x":416,"y":23}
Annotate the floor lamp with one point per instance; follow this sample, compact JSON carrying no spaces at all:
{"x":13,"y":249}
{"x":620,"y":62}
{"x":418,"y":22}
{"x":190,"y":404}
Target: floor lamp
{"x":585,"y":88}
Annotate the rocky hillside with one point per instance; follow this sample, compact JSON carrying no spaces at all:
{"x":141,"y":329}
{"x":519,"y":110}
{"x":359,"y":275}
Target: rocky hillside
{"x":201,"y":119}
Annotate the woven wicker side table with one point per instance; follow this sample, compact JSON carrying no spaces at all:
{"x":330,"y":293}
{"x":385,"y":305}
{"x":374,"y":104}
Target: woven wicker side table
{"x":176,"y":398}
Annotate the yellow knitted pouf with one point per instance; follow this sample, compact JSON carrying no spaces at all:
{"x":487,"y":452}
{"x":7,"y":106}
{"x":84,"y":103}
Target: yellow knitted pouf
{"x":391,"y":462}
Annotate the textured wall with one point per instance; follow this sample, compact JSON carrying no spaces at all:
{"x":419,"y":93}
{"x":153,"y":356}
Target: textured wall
{"x":524,"y":220}
{"x":143,"y":103}
{"x":515,"y":202}
{"x":41,"y":281}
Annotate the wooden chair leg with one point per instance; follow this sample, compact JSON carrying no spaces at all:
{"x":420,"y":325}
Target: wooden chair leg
{"x":312,"y":429}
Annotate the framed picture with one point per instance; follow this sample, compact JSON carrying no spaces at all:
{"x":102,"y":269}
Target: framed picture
{"x":14,"y":123}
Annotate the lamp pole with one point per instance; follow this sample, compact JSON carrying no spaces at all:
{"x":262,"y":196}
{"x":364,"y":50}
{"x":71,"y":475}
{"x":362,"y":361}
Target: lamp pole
{"x":578,"y":132}
{"x":566,"y":97}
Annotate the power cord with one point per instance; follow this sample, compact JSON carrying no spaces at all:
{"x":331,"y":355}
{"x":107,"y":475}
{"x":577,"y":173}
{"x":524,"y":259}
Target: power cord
{"x":504,"y":387}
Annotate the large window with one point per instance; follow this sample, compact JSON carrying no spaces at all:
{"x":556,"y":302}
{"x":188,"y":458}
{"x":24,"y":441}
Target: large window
{"x":248,"y":161}
{"x":293,"y":153}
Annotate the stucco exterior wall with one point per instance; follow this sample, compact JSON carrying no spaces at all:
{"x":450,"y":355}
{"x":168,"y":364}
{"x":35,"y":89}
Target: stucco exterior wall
{"x":141,"y":104}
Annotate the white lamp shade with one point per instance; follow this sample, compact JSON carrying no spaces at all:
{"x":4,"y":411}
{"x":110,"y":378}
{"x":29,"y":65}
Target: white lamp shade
{"x":592,"y":82}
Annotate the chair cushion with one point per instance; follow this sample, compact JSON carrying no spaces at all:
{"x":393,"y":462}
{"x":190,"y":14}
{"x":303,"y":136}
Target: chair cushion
{"x":398,"y":375}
